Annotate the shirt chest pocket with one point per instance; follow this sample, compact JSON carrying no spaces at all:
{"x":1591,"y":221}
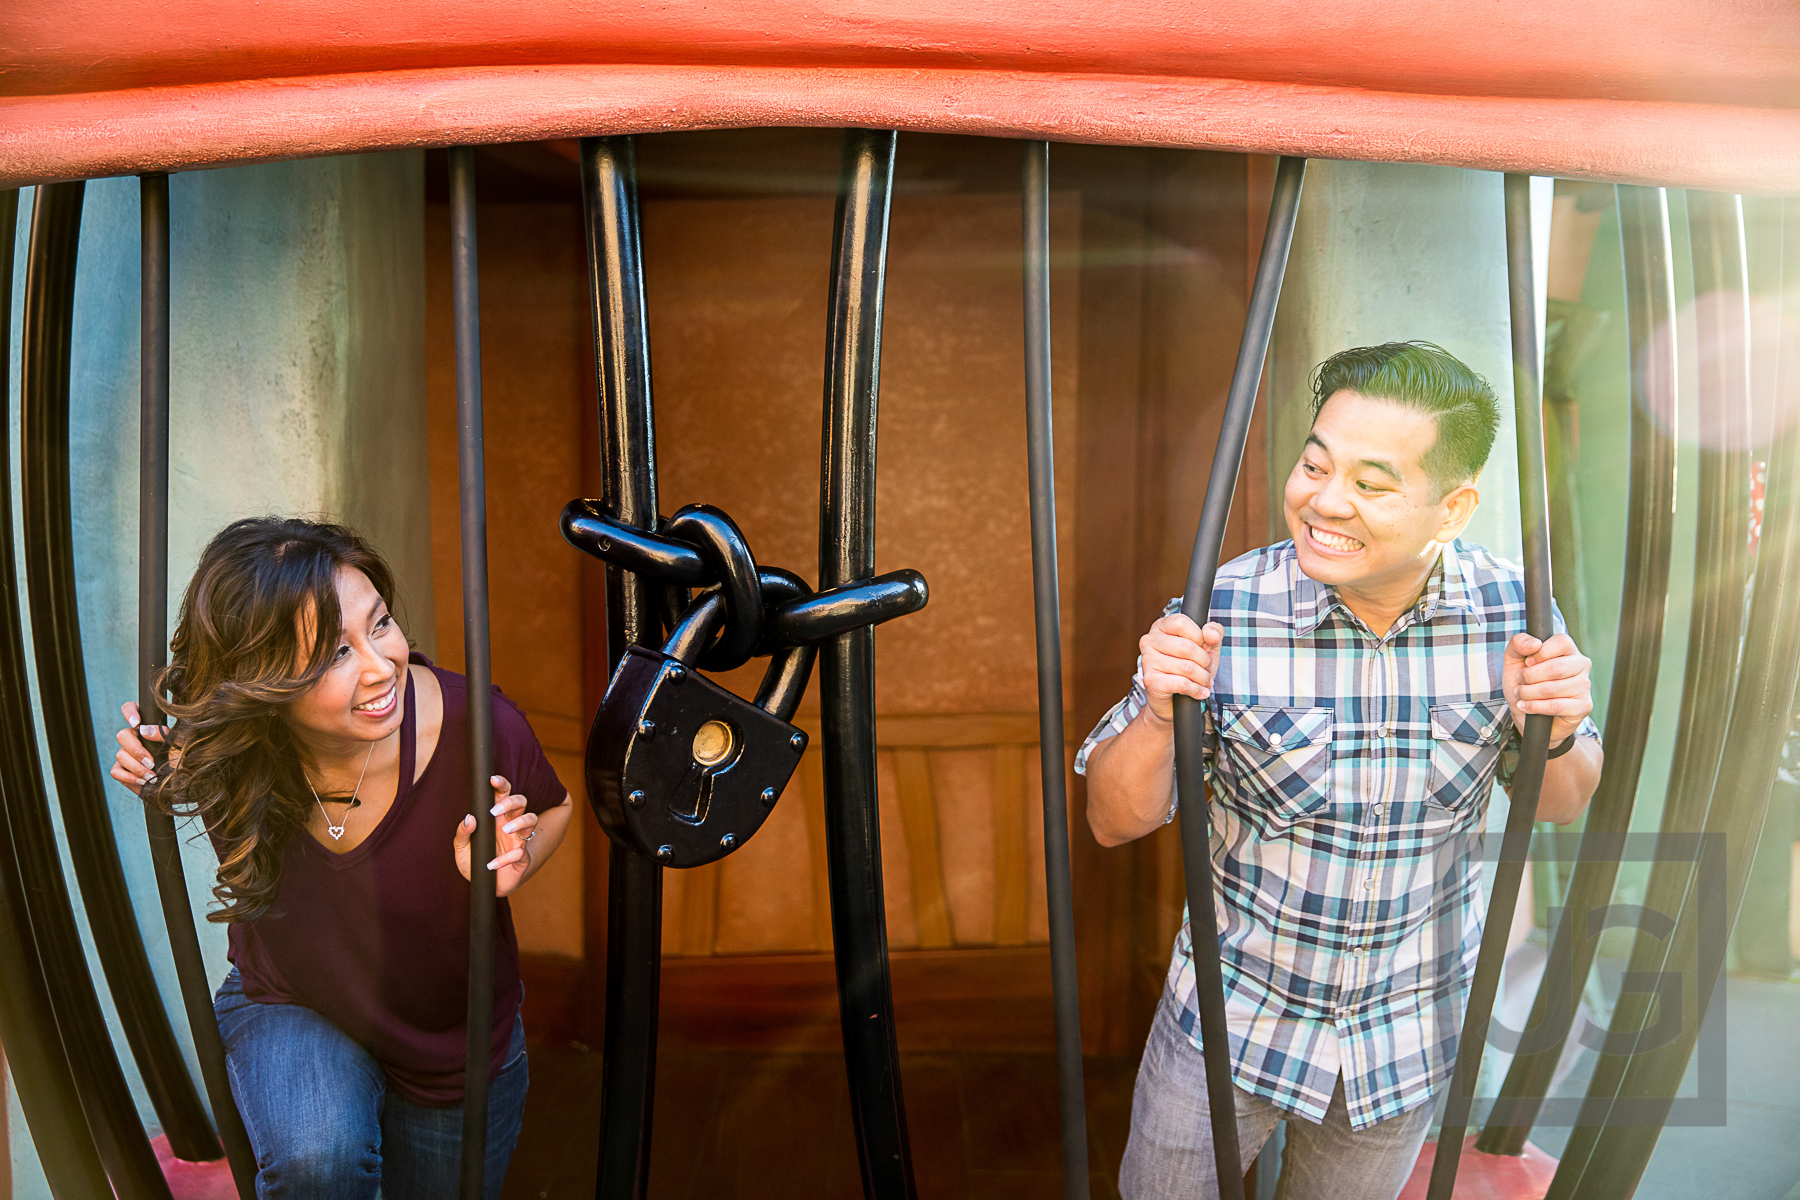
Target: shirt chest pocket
{"x":1466,"y":740}
{"x":1280,"y":759}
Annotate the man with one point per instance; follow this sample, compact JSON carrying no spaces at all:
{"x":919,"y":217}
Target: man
{"x":1365,"y":683}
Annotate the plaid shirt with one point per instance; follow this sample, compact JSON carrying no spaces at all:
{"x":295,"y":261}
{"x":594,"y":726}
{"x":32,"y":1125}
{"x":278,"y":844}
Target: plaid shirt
{"x":1350,"y":776}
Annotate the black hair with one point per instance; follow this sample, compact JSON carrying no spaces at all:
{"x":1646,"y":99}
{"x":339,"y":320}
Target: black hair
{"x":1428,"y":379}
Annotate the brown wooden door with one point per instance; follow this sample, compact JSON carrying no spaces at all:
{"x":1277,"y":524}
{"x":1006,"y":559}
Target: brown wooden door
{"x":1150,"y":271}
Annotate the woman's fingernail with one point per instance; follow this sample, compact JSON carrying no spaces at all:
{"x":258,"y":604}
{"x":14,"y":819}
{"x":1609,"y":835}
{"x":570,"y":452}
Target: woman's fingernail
{"x":149,"y":763}
{"x":147,"y":730}
{"x":495,"y":810}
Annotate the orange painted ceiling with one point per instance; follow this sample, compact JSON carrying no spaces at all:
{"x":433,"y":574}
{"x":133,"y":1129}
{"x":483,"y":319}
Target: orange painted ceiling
{"x":1693,"y":92}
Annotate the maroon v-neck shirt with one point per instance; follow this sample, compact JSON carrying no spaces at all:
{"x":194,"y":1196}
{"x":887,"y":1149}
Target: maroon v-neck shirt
{"x":377,"y":940}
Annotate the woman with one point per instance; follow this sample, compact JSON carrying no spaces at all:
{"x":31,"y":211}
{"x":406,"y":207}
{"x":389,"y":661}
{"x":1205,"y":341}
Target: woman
{"x":330,"y":768}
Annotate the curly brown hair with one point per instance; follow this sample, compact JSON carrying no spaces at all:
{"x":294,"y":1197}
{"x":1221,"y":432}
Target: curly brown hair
{"x":237,"y":660}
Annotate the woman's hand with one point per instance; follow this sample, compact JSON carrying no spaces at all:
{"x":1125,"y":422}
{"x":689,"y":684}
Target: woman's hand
{"x":514,"y":829}
{"x":133,"y":766}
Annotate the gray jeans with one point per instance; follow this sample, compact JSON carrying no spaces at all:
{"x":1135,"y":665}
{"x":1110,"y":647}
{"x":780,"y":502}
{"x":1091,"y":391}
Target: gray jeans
{"x":1170,"y":1153}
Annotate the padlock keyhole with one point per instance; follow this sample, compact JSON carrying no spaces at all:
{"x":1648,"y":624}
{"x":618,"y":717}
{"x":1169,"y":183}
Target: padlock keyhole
{"x":715,"y":748}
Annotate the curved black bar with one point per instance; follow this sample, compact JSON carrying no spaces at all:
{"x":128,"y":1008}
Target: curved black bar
{"x":1649,"y":301}
{"x":847,"y":666}
{"x":587,"y":527}
{"x":1611,"y":1159}
{"x":1040,"y":450}
{"x":778,"y":587}
{"x":471,"y":477}
{"x":834,"y":611}
{"x":153,"y":631}
{"x":696,"y":628}
{"x":28,"y":1029}
{"x":628,"y":460}
{"x":43,"y":436}
{"x":672,"y":599}
{"x":722,"y":544}
{"x":1528,"y":779}
{"x":39,"y":1069}
{"x":1190,"y":728}
{"x":1722,"y":562}
{"x":69,"y":736}
{"x":783,"y":687}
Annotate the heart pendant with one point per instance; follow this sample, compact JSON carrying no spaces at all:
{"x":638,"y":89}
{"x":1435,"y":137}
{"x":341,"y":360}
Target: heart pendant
{"x":336,"y":832}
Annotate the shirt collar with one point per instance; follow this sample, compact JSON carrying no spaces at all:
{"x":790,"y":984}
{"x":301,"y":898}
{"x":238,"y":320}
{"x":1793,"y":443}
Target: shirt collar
{"x":1447,"y":589}
{"x":1308,"y":599}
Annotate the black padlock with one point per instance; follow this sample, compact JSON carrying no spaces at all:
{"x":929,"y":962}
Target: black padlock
{"x":678,"y":768}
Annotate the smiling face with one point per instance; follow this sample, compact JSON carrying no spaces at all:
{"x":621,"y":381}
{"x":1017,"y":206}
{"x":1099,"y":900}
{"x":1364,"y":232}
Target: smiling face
{"x":1364,"y":513}
{"x":357,"y":700}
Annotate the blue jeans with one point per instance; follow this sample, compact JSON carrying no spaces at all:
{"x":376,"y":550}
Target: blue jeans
{"x":322,"y":1121}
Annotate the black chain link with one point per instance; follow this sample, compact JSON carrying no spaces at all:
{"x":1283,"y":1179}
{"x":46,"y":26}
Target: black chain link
{"x":767,"y":609}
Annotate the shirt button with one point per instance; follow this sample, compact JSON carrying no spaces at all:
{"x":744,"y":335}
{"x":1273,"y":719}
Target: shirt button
{"x":1368,"y":883}
{"x":1356,"y":951}
{"x":1381,"y":734}
{"x":1488,"y":732}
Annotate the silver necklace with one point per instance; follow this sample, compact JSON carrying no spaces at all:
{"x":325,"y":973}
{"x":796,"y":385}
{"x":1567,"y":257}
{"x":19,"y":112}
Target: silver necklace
{"x":337,"y":831}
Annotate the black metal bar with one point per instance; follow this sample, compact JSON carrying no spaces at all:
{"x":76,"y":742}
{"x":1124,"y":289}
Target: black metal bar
{"x":1715,"y":626}
{"x":628,"y":464}
{"x":80,"y":790}
{"x":586,"y":525}
{"x":1534,"y":523}
{"x":1760,"y":712}
{"x":1649,"y":302}
{"x":153,"y":632}
{"x":1612,"y":1151}
{"x":1190,"y":728}
{"x":826,"y":614}
{"x":471,"y":477}
{"x":795,"y":614}
{"x":44,"y":448}
{"x":1040,"y":446}
{"x":847,"y":665}
{"x":28,"y":1028}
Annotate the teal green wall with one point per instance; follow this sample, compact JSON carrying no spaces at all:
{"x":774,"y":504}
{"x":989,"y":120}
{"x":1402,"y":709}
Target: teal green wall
{"x":1396,"y":252}
{"x":298,"y":386}
{"x":1602,"y":389}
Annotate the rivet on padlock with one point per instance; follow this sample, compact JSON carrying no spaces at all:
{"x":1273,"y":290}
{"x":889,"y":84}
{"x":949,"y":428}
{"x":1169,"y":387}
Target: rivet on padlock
{"x":690,"y":800}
